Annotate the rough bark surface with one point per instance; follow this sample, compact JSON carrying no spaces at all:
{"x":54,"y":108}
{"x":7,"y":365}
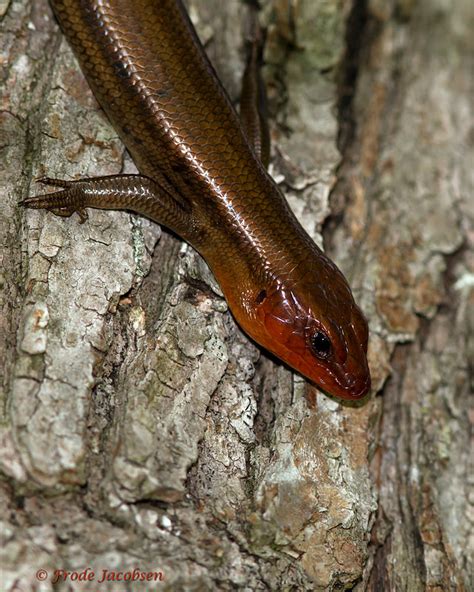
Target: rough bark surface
{"x":140,"y":428}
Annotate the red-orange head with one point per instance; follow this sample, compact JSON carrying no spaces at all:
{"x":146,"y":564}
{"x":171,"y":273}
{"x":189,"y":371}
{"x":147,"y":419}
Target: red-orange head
{"x":313,"y":326}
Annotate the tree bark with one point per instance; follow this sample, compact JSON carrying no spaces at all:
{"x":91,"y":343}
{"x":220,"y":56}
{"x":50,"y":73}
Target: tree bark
{"x":141,"y":430}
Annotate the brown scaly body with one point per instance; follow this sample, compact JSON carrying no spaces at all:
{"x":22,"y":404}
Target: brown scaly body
{"x":201,"y":177}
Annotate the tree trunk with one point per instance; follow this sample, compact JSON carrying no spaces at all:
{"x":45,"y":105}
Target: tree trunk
{"x":141,"y":430}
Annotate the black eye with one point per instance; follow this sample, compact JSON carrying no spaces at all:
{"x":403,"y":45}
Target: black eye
{"x":261,"y":297}
{"x":321,"y":345}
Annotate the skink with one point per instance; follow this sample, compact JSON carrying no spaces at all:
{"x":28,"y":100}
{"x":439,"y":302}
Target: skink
{"x":201,"y":177}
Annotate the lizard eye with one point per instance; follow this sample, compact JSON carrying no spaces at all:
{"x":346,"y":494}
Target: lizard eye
{"x":321,"y":345}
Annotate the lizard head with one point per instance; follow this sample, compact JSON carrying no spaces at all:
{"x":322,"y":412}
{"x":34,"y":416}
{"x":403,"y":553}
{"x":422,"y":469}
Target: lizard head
{"x":315,"y":327}
{"x":328,"y":347}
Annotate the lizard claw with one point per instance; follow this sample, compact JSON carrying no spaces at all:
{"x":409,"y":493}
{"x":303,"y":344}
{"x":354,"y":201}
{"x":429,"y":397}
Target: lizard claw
{"x":53,"y":182}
